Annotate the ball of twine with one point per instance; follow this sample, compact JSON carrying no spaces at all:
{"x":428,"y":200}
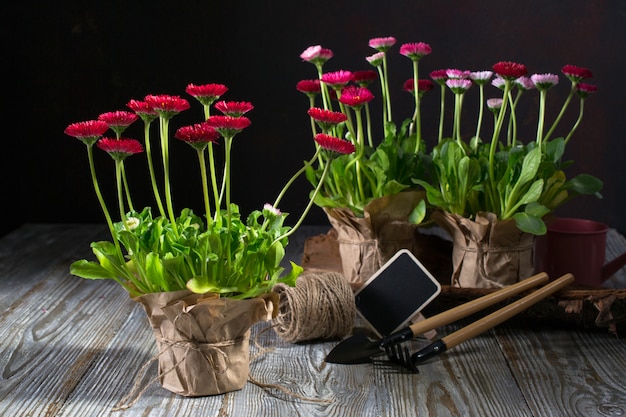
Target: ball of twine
{"x":320,"y":306}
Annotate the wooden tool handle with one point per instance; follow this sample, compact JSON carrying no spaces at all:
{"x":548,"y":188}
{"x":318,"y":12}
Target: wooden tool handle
{"x":505,"y":313}
{"x":476,"y":305}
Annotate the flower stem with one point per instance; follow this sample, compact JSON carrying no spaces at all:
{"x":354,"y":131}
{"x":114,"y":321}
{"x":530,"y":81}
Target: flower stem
{"x":386,"y":86}
{"x":155,"y":189}
{"x":561,"y":113}
{"x":216,"y":197}
{"x":381,"y":75}
{"x":580,"y":117}
{"x":542,"y":112}
{"x":120,"y":194}
{"x":228,"y":142}
{"x":164,"y":124}
{"x":128,"y":199}
{"x":294,"y":177}
{"x":481,"y":107}
{"x":308,"y":207}
{"x":492,"y":150}
{"x":442,"y":109}
{"x":205,"y":185}
{"x":368,"y":119}
{"x":513,"y":119}
{"x":416,"y":93}
{"x":107,"y":216}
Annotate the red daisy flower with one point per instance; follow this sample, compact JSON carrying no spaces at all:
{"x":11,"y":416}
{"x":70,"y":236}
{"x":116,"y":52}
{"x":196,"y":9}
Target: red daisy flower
{"x":309,"y":87}
{"x":327,"y":116}
{"x":228,"y":126}
{"x":206,"y":93}
{"x":167,"y":106}
{"x":439,"y":76}
{"x":355,"y":96}
{"x":120,"y":148}
{"x":118,"y":118}
{"x":88,"y":132}
{"x":334,"y":144}
{"x":234,"y":108}
{"x":415,"y":51}
{"x":585,"y":90}
{"x":143,"y":110}
{"x":326,"y":119}
{"x":509,"y":70}
{"x":422,"y":85}
{"x":576,"y":74}
{"x":337,"y":78}
{"x":197,"y":135}
{"x":364,"y":78}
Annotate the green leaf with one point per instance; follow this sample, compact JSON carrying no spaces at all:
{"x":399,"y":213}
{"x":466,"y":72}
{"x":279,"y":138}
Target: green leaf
{"x":90,"y":270}
{"x":530,"y":166}
{"x":418,"y":213}
{"x":529,"y":223}
{"x":584,"y":184}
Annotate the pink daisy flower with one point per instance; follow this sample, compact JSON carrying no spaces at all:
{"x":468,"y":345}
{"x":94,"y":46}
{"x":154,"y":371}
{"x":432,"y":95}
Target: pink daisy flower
{"x":234,"y":108}
{"x":334,"y":144}
{"x":88,"y":132}
{"x":355,"y":96}
{"x":544,"y":81}
{"x":584,"y":90}
{"x":498,"y":82}
{"x":524,"y":84}
{"x":457,"y":73}
{"x":480,"y":77}
{"x":316,"y":55}
{"x":439,"y":76}
{"x":494,"y":104}
{"x":270,"y":210}
{"x":197,"y":135}
{"x":143,"y":110}
{"x":376,"y":60}
{"x":337,"y":78}
{"x":576,"y":74}
{"x":459,"y":85}
{"x":228,"y":126}
{"x":509,"y":70}
{"x":382,"y":44}
{"x":167,"y":106}
{"x":364,"y":78}
{"x":415,"y":51}
{"x":206,"y":93}
{"x":309,"y":87}
{"x":121,"y":148}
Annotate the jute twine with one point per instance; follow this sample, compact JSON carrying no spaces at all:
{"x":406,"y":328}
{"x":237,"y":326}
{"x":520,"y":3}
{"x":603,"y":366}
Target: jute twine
{"x":320,"y":306}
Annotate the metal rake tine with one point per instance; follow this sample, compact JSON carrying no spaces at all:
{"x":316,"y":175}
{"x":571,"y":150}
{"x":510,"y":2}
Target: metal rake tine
{"x":400,"y":355}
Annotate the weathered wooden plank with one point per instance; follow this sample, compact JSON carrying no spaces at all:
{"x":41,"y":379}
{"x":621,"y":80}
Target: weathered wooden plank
{"x":565,"y":373}
{"x":28,"y":252}
{"x":470,"y":379}
{"x":50,"y":337}
{"x":71,"y":347}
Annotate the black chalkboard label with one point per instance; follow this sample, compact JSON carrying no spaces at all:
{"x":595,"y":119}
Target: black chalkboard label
{"x":396,"y":293}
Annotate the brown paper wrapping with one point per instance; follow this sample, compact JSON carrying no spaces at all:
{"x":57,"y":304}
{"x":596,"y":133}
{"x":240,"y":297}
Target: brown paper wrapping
{"x":366,"y":243}
{"x":487,"y":253}
{"x":203,"y":340}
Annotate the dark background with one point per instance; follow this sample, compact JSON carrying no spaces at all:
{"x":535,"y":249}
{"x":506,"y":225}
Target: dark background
{"x":71,"y":61}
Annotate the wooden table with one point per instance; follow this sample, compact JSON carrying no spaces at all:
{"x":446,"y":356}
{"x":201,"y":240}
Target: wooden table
{"x":72,"y":347}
